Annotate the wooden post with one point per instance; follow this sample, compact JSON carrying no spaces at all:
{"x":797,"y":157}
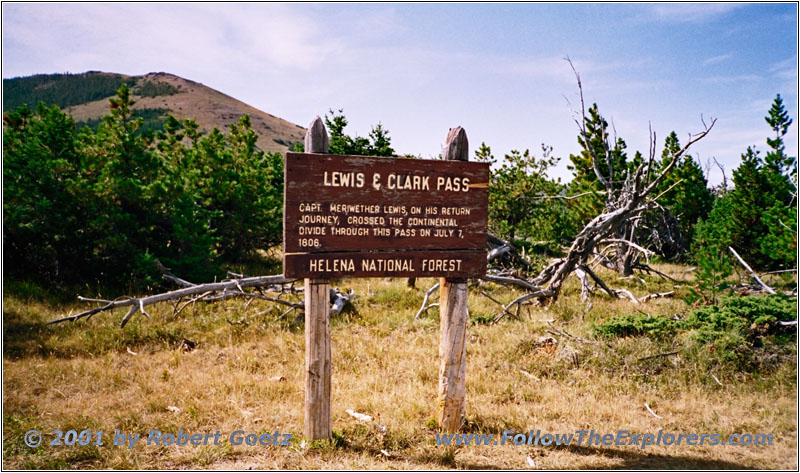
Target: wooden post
{"x":451,"y":405}
{"x":318,"y":328}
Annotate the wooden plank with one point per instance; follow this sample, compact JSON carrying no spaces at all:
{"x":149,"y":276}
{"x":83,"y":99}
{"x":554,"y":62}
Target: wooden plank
{"x":454,"y":317}
{"x":318,"y":359}
{"x":317,"y":424}
{"x":316,"y":139}
{"x":344,"y":203}
{"x":455,"y":264}
{"x":451,"y":403}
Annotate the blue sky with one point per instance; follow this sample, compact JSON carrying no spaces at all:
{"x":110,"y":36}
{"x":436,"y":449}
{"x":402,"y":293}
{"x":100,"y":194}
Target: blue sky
{"x":498,"y":70}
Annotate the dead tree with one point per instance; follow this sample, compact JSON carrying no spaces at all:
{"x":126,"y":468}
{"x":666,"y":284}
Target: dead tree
{"x":613,"y":230}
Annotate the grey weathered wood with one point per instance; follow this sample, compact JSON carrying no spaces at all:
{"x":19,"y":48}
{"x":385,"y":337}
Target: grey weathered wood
{"x":318,"y":360}
{"x":451,"y":403}
{"x":138,"y":304}
{"x":453,"y":355}
{"x":750,"y":270}
{"x":456,"y":148}
{"x":316,"y":140}
{"x":317,"y":327}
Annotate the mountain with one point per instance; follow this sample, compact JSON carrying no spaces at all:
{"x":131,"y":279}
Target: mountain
{"x":85,"y":96}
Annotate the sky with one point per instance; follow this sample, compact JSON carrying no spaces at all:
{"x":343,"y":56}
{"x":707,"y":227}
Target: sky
{"x":498,"y":70}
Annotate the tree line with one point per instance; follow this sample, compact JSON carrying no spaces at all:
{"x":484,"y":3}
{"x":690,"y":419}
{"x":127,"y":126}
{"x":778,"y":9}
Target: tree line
{"x":82,"y":204}
{"x":691,"y":223}
{"x":86,"y":205}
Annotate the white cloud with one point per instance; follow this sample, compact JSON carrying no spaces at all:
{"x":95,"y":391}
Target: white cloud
{"x":786,"y":69}
{"x":716,"y":59}
{"x":737,"y":78}
{"x":692,"y":12}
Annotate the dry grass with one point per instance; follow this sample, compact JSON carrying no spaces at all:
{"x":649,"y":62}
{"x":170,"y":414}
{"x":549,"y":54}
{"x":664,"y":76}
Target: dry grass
{"x":247,"y":373}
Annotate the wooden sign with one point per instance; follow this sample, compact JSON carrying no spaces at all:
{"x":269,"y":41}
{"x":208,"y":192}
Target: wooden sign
{"x":374,"y":217}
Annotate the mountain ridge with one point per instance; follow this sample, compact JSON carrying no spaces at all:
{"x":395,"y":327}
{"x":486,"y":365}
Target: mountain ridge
{"x":159,"y":93}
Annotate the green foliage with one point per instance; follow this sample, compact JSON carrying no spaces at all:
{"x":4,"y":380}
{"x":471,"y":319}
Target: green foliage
{"x":780,"y":242}
{"x":758,"y":217}
{"x":62,"y":90}
{"x":729,"y":331}
{"x":779,"y":121}
{"x":629,"y":325}
{"x":243,"y":186}
{"x":378,"y":143}
{"x":711,"y":253}
{"x":42,"y":194}
{"x":585,"y":177}
{"x":685,"y":190}
{"x":153,"y":119}
{"x":118,"y":198}
{"x":519,"y":208}
{"x":155,"y":89}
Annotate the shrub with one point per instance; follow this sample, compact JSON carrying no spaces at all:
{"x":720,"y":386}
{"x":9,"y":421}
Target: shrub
{"x":727,"y":333}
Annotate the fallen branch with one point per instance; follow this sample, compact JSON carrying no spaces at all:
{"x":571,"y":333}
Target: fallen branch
{"x":628,"y":294}
{"x":509,"y":281}
{"x":339,"y":300}
{"x":518,"y":302}
{"x":648,"y":269}
{"x":656,"y":296}
{"x":561,"y":332}
{"x":137,"y":304}
{"x":750,"y":270}
{"x":651,"y":411}
{"x":425,"y":305}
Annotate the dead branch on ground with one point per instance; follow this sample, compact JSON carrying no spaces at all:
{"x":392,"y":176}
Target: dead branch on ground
{"x":191,"y":293}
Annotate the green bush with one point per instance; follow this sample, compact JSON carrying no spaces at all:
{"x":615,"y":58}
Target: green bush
{"x":728,"y":332}
{"x":635,"y":325}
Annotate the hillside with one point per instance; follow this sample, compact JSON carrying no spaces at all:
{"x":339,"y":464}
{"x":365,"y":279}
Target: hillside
{"x":85,"y":97}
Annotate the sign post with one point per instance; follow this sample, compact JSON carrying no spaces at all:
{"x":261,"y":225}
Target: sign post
{"x":360,"y":216}
{"x":318,"y":328}
{"x":454,"y":315}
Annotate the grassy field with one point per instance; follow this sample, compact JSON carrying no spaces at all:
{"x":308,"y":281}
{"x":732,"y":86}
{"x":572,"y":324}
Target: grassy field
{"x":247,"y":373}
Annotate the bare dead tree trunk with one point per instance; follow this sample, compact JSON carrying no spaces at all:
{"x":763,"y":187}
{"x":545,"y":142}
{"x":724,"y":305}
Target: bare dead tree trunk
{"x":616,"y":225}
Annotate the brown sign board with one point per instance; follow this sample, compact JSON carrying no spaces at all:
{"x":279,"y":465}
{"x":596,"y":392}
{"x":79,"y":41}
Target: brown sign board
{"x":375,"y":217}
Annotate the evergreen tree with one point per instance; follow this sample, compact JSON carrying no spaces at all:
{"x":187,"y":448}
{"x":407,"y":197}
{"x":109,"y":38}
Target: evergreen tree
{"x":378,"y":144}
{"x":585,"y":179}
{"x":685,"y":191}
{"x":115,"y":200}
{"x":43,"y":201}
{"x":518,"y":208}
{"x":779,"y":121}
{"x":758,"y":217}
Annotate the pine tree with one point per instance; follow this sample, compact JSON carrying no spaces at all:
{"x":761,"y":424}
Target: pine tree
{"x":584,"y":175}
{"x":758,"y":217}
{"x":685,"y":191}
{"x":779,"y":121}
{"x":378,"y":144}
